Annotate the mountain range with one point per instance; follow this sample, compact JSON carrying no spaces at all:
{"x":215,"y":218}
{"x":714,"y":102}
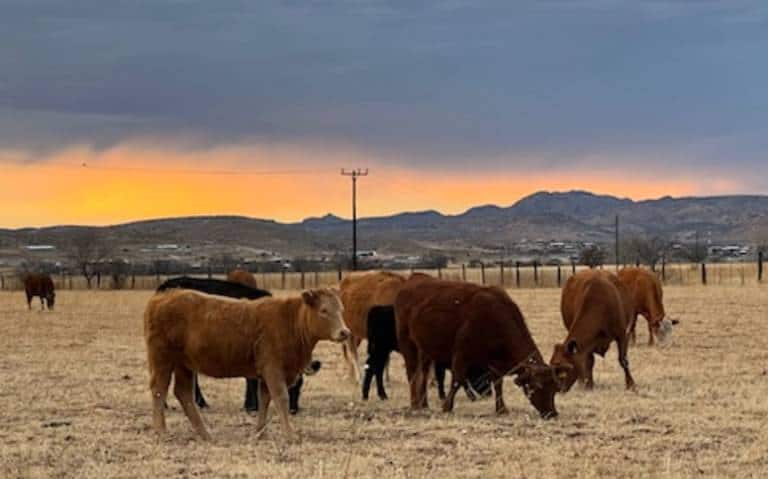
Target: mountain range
{"x":560,"y":216}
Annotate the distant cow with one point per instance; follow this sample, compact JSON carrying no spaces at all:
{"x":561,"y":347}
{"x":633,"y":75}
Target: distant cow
{"x":243,"y":277}
{"x":470,"y":327}
{"x":271,"y":339}
{"x":239,"y":291}
{"x":648,"y":296}
{"x":359,"y":294}
{"x":39,"y":285}
{"x":382,"y":340}
{"x":597,"y":309}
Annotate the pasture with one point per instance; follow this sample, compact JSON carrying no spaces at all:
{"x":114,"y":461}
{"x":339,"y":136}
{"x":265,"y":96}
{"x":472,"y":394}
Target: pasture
{"x":75,"y":403}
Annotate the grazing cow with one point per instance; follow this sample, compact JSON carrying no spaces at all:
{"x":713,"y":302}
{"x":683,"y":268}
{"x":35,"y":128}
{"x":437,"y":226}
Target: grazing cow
{"x":597,"y":309}
{"x":472,"y":328}
{"x":243,"y":277}
{"x":359,"y":294}
{"x":238,"y":291}
{"x":648,"y":295}
{"x":271,"y":339}
{"x":39,"y":285}
{"x":382,"y":340}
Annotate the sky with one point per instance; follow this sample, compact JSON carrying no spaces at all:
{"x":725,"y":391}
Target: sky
{"x":118,"y":110}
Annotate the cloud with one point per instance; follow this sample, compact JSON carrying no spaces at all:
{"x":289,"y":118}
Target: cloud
{"x":418,"y":84}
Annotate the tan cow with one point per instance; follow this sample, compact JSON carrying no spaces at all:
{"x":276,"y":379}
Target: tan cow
{"x":242,"y":277}
{"x":359,"y":294}
{"x":648,"y":296}
{"x":270,"y":338}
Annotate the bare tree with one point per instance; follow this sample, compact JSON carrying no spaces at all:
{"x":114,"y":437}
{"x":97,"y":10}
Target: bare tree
{"x":86,"y":251}
{"x":645,"y":250}
{"x":592,"y":256}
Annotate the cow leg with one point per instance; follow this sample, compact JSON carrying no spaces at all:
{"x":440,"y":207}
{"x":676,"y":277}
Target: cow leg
{"x":199,"y":398}
{"x":380,"y":382}
{"x":650,"y":333}
{"x":251,"y":402}
{"x":183,"y":389}
{"x":498,"y":392}
{"x":42,"y":303}
{"x":159,"y":380}
{"x":264,"y":399}
{"x":419,"y":383}
{"x":279,"y":392}
{"x":29,"y":301}
{"x":349,"y":348}
{"x":624,"y":362}
{"x":589,"y":381}
{"x":293,"y":395}
{"x":367,"y":378}
{"x":440,"y":380}
{"x":458,"y":378}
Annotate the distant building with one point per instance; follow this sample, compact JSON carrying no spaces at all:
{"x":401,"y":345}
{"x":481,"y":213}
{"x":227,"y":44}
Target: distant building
{"x":39,"y":247}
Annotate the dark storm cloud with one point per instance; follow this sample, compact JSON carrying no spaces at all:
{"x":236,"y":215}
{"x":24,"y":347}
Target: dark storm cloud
{"x":558,"y":81}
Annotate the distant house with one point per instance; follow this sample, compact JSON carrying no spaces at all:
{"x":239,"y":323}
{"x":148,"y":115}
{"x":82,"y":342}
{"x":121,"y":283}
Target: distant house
{"x":39,"y":247}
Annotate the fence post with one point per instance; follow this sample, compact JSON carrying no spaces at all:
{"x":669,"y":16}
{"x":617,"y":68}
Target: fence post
{"x":501,"y":273}
{"x":210,"y":273}
{"x":282,"y":278}
{"x":637,"y":262}
{"x":573,"y":267}
{"x":663,"y":270}
{"x":339,"y":273}
{"x":98,"y":280}
{"x":316,"y":278}
{"x":463,"y":272}
{"x":559,"y":276}
{"x":482,"y":274}
{"x":535,"y":272}
{"x":302,"y":279}
{"x":517,"y":274}
{"x":703,"y":273}
{"x":2,"y":281}
{"x":133,"y":280}
{"x":759,"y":266}
{"x":440,"y":273}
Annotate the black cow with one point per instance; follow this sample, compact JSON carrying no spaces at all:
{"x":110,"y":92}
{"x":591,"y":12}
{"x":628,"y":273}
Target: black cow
{"x":39,"y":285}
{"x":382,"y":340}
{"x":239,"y":291}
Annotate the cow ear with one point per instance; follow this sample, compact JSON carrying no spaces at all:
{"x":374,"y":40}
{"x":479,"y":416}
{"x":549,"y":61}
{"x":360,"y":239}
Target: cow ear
{"x":524,"y":376}
{"x":310,"y":298}
{"x":572,"y":347}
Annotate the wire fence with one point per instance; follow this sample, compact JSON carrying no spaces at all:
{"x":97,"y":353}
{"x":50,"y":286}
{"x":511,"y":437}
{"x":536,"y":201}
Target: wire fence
{"x":524,"y":276}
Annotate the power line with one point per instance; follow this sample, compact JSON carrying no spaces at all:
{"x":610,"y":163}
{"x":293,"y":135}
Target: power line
{"x":354,"y":174}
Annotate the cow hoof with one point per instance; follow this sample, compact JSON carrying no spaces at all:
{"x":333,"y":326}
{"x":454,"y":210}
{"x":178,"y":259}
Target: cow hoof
{"x":502,"y":411}
{"x":383,"y":397}
{"x":294,"y":411}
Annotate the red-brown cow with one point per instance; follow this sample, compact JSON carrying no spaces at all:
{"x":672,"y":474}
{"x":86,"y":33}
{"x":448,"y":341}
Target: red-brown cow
{"x":472,"y":328}
{"x":648,"y":296}
{"x":596,"y":309}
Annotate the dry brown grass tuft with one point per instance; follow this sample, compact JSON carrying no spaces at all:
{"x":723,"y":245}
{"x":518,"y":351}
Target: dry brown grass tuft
{"x":75,"y":404}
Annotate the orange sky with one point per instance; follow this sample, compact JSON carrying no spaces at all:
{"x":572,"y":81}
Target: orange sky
{"x":134,"y":182}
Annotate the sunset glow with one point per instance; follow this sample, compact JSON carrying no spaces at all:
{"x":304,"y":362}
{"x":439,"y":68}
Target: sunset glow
{"x":137,"y":182}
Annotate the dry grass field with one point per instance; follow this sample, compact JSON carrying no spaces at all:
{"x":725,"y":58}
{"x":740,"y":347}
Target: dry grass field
{"x":75,"y":403}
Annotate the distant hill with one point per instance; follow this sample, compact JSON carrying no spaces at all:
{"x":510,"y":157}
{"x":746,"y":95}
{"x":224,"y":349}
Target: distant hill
{"x":574,"y":215}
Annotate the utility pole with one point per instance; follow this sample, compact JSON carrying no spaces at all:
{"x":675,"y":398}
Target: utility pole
{"x":354,"y":174}
{"x":616,"y":239}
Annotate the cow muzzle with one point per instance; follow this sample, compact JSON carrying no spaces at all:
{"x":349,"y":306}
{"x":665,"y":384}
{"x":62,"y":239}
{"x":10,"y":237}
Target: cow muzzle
{"x":342,"y":335}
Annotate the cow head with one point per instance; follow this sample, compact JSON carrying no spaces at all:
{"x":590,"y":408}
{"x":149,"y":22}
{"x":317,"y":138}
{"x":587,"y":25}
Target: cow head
{"x":663,"y":330}
{"x":538,"y":383}
{"x":50,"y":299}
{"x":326,"y":314}
{"x":564,"y":364}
